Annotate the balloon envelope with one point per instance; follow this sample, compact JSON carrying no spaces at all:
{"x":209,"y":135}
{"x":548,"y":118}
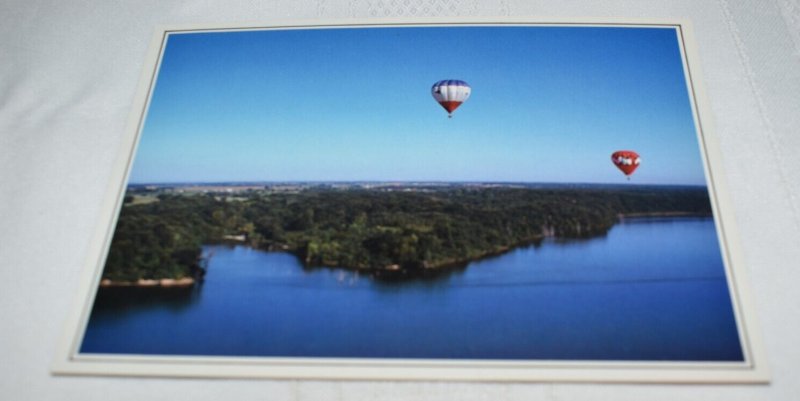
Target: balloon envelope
{"x":451,"y":93}
{"x":626,"y":160}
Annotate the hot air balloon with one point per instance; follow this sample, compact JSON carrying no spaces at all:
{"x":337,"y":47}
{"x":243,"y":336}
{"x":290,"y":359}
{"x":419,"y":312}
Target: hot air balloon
{"x":626,"y":160}
{"x":450,"y":93}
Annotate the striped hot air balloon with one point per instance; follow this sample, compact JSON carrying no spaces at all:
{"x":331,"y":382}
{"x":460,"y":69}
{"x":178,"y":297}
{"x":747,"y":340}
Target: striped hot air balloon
{"x":450,"y":93}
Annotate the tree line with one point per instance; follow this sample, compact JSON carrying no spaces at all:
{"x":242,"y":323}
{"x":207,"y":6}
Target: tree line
{"x":403,"y":229}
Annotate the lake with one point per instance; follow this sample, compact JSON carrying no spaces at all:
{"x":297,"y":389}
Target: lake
{"x":652,"y":289}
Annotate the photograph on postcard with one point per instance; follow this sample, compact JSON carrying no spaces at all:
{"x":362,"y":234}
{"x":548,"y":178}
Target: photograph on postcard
{"x":459,"y":193}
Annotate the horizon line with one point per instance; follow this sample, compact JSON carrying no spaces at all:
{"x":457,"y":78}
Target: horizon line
{"x":246,"y":182}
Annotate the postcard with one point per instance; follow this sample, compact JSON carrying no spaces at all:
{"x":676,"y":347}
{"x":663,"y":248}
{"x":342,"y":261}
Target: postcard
{"x":419,"y":200}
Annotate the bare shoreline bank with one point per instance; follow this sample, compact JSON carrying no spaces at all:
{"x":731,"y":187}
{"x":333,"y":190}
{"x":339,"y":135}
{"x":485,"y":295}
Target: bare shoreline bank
{"x":623,"y":216}
{"x":164,"y":282}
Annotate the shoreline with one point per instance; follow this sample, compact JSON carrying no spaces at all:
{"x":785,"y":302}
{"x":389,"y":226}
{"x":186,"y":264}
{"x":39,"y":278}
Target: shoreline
{"x":443,"y":266}
{"x":393,"y":269}
{"x":149,"y":283}
{"x":452,"y":264}
{"x":622,"y":216}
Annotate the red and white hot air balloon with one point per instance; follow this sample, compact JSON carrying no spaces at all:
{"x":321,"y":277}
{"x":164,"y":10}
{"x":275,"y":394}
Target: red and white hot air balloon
{"x":626,"y":160}
{"x":451,"y":93}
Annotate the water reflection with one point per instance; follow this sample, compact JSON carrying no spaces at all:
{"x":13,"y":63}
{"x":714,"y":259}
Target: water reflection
{"x":652,"y":291}
{"x":132,"y":298}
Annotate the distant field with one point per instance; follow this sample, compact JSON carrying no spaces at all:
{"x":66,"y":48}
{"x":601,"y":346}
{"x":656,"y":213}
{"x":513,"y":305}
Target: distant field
{"x":140,"y":199}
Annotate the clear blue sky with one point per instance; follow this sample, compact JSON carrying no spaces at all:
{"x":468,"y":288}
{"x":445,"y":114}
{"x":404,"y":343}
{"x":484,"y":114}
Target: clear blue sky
{"x":548,"y":104}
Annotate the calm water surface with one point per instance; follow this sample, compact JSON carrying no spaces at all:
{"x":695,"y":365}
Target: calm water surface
{"x":652,"y":289}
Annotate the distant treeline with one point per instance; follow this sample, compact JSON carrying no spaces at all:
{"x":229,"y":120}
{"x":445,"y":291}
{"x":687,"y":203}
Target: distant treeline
{"x":403,"y":229}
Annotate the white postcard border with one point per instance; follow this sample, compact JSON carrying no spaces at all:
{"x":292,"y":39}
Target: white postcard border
{"x":68,"y":361}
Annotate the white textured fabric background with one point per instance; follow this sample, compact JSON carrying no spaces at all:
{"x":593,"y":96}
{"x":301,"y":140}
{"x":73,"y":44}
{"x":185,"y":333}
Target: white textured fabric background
{"x":68,"y":72}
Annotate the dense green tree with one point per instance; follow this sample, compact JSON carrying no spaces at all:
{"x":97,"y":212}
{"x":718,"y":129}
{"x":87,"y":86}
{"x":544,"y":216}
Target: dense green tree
{"x":403,"y":228}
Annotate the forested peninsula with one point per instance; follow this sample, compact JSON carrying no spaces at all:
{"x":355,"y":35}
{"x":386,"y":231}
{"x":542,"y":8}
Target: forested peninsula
{"x":404,"y":229}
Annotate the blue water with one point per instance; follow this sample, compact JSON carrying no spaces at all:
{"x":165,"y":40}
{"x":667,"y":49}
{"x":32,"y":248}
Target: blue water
{"x":652,"y":289}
